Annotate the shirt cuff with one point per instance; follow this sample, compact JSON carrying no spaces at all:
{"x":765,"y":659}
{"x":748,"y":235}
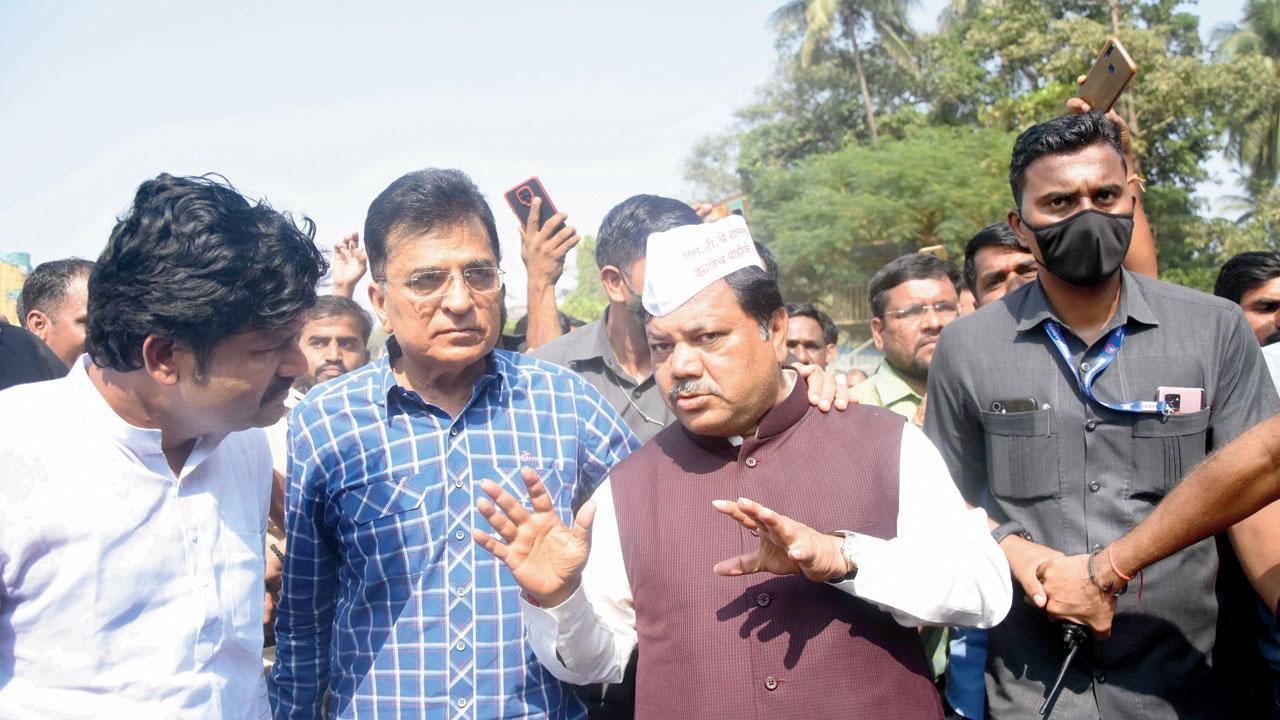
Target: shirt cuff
{"x":864,"y":555}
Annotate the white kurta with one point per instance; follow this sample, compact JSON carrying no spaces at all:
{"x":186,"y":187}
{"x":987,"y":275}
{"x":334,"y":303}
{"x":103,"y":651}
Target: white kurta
{"x":126,"y":592}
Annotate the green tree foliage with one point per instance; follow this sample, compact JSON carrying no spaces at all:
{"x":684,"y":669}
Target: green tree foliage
{"x":1254,"y":130}
{"x":587,"y":301}
{"x":835,"y":218}
{"x":831,"y":201}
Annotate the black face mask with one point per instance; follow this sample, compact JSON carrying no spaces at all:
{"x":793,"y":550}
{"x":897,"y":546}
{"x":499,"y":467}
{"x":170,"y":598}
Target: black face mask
{"x":1086,"y":248}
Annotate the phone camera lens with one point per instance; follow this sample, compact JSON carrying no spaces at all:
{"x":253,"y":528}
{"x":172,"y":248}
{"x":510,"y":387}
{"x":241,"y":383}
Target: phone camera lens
{"x":997,"y":407}
{"x":1111,"y":69}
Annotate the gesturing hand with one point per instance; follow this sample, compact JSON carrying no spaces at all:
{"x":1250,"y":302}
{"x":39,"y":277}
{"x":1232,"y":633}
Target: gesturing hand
{"x":545,"y":556}
{"x":543,"y":248}
{"x":349,"y":265}
{"x":826,"y":389}
{"x":786,"y":547}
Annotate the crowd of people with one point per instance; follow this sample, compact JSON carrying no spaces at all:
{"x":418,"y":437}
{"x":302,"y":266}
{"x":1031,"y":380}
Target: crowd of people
{"x":680,"y":510}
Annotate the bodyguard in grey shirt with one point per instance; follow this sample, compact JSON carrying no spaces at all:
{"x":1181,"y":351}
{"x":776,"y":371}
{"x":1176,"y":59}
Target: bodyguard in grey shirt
{"x":1077,"y":453}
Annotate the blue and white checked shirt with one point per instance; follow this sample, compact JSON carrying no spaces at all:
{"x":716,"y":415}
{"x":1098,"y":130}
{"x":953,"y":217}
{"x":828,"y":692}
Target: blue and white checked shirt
{"x":387,"y":602}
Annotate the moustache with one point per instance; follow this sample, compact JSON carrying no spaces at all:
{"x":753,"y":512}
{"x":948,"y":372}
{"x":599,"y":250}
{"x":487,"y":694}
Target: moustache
{"x":340,"y":366}
{"x":700,"y":387}
{"x":277,"y":390}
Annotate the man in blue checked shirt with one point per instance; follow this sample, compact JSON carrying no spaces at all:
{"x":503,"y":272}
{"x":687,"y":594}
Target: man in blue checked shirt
{"x":387,"y":604}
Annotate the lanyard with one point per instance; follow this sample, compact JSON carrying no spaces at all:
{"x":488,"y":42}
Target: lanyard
{"x":1102,"y":362}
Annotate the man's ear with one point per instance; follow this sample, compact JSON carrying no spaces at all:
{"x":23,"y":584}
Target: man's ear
{"x":832,"y":353}
{"x":611,"y":279}
{"x":778,"y":333}
{"x":161,"y":361}
{"x":1026,"y":238}
{"x":378,"y":298}
{"x":37,"y":322}
{"x":877,"y":333}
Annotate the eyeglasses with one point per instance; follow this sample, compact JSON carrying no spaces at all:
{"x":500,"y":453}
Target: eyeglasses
{"x":915,"y":313}
{"x":434,"y":283}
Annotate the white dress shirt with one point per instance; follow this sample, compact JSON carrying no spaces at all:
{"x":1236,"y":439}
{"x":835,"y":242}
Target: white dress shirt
{"x":942,"y":568}
{"x":126,"y":592}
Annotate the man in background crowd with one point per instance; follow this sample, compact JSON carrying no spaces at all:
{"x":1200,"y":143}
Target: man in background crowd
{"x":55,"y":305}
{"x":131,"y":540}
{"x":996,"y":264}
{"x":912,"y":298}
{"x":1252,"y":281}
{"x":811,"y":335}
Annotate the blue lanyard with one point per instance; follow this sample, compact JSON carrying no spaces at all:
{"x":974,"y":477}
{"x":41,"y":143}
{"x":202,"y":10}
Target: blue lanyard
{"x":1102,"y":362}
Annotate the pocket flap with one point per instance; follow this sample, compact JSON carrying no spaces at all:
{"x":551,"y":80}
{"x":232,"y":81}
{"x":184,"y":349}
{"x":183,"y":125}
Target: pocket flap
{"x":1171,"y":425}
{"x":364,"y":504}
{"x":1033,"y":423}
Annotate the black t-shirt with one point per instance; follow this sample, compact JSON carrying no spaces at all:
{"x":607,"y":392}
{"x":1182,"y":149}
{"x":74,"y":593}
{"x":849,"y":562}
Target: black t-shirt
{"x":25,"y":358}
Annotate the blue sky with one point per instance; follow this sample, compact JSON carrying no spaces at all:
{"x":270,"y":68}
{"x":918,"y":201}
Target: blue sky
{"x":319,"y":105}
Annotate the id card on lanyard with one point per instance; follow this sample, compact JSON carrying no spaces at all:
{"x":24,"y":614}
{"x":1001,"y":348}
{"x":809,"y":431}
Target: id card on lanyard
{"x":1085,"y":380}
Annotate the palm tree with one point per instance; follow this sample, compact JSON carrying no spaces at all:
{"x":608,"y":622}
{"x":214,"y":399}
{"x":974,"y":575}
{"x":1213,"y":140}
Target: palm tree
{"x":818,"y":19}
{"x":1253,"y":138}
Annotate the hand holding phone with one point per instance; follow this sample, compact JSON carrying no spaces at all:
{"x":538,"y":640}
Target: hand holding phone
{"x":545,"y":239}
{"x":1107,"y":79}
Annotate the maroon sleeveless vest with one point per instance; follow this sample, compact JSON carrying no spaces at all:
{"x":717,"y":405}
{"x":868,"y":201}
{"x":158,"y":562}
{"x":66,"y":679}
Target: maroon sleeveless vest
{"x":764,"y":646}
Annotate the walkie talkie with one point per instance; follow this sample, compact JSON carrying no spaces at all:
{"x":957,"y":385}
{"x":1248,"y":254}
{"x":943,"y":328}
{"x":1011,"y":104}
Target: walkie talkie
{"x":1073,"y":636}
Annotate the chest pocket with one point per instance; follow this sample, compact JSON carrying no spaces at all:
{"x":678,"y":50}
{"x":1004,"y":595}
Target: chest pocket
{"x":1165,"y":448}
{"x":1022,"y":454}
{"x":392,"y":533}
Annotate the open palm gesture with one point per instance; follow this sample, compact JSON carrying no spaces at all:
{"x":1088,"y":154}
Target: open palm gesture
{"x":787,"y":547}
{"x":545,"y":555}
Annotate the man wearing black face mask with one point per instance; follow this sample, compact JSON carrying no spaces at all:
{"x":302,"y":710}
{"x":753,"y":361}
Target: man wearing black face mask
{"x":1045,"y":406}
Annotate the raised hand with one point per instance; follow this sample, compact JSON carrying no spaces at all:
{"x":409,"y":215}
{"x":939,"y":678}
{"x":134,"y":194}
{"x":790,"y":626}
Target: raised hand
{"x":349,"y":265}
{"x":543,"y":247}
{"x":787,"y":547}
{"x":545,"y":556}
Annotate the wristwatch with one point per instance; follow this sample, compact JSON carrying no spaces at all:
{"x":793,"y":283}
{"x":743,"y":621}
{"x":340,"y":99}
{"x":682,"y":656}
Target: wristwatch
{"x":1013,"y":527}
{"x":847,"y":549}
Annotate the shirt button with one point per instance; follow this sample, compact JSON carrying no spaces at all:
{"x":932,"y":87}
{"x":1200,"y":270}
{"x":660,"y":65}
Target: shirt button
{"x":1101,"y":678}
{"x":1097,"y":547}
{"x":453,"y":431}
{"x":762,"y":600}
{"x":751,"y":462}
{"x":1084,"y":366}
{"x":1094,"y":486}
{"x":459,"y":535}
{"x":460,"y":591}
{"x":771,"y":683}
{"x":460,"y":646}
{"x":457,"y":483}
{"x":636,"y":394}
{"x":1091,"y":425}
{"x":462,"y":702}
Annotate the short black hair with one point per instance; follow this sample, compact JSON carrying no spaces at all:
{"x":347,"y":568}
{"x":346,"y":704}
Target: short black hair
{"x":45,"y":288}
{"x":194,"y":262}
{"x":337,"y":306}
{"x":1064,"y":134}
{"x":1244,"y":272}
{"x":625,"y":231}
{"x":420,"y":201}
{"x":913,"y":266}
{"x":830,"y":333}
{"x":997,"y":234}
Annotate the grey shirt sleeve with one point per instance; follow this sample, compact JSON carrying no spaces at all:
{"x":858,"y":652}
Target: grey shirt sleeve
{"x":1245,"y":394}
{"x":951,"y":421}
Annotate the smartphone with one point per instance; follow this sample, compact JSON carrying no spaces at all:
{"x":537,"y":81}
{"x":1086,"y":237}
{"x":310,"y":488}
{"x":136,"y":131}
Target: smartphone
{"x":1181,"y":399}
{"x":938,"y":251}
{"x":520,"y":198}
{"x":1108,"y":77}
{"x":1014,"y":405}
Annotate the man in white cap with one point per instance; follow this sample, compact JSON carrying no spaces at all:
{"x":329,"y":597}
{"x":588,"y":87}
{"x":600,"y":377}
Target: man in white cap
{"x":875,"y":539}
